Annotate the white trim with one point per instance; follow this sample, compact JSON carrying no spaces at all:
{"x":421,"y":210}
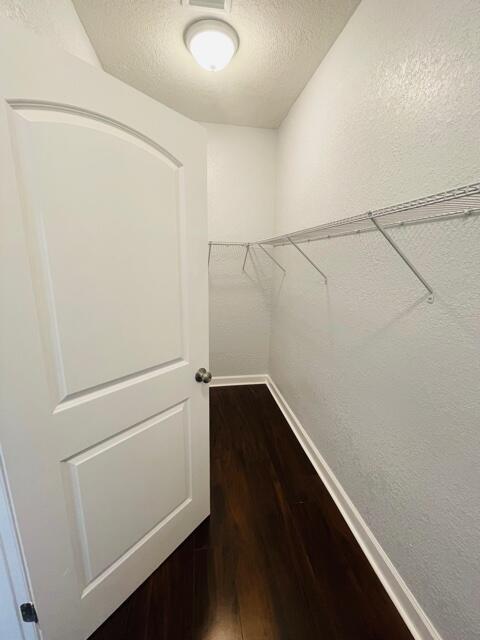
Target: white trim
{"x":14,"y":589}
{"x":412,"y":613}
{"x":229,"y":381}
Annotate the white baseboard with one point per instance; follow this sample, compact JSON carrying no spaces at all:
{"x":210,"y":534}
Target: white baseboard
{"x":228,"y":381}
{"x":412,"y":613}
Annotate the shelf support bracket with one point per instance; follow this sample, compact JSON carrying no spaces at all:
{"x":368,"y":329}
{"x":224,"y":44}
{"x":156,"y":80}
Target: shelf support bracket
{"x":393,"y":244}
{"x":308,"y":259}
{"x":271,"y":257}
{"x":246,"y":256}
{"x":209,"y":252}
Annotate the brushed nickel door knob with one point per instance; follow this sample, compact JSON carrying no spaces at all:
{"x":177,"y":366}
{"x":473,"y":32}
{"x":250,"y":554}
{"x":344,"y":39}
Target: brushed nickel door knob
{"x":203,"y":375}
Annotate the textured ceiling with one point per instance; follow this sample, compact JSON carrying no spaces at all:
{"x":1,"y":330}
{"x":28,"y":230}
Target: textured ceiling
{"x":281,"y":44}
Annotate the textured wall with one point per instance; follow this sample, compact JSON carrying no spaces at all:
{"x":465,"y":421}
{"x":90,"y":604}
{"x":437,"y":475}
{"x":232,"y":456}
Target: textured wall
{"x":386,"y":385}
{"x":54,"y":19}
{"x":241,"y":187}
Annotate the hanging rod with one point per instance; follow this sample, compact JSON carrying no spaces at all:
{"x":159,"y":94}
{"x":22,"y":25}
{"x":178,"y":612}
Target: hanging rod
{"x":216,"y":243}
{"x":463,"y":201}
{"x":279,"y":241}
{"x":247,"y":246}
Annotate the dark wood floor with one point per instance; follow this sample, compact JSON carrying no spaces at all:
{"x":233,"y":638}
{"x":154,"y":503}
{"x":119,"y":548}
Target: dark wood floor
{"x":275,"y":561}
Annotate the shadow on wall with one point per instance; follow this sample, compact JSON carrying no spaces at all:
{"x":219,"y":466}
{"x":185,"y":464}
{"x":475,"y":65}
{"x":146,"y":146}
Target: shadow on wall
{"x":240,"y":310}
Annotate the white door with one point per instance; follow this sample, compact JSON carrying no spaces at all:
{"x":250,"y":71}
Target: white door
{"x":103,"y":287}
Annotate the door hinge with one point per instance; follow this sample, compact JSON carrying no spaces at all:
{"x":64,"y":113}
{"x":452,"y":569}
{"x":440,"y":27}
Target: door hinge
{"x":29,"y":614}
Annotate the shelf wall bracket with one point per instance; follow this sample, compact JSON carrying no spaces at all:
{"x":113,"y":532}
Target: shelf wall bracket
{"x":246,"y":256}
{"x":209,"y":252}
{"x":271,"y":257}
{"x":393,"y":244}
{"x":315,"y":266}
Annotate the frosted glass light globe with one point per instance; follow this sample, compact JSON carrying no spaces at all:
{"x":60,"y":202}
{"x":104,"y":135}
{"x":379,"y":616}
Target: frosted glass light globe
{"x":212,"y":43}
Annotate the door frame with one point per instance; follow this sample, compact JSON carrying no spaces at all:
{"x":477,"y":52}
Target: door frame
{"x":16,"y":588}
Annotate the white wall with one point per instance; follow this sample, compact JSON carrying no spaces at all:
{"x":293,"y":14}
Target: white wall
{"x":241,"y":191}
{"x":56,"y":20}
{"x":386,"y":385}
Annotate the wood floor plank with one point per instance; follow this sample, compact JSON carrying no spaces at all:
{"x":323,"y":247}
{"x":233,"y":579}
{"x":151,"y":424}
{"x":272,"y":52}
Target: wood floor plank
{"x":275,"y":560}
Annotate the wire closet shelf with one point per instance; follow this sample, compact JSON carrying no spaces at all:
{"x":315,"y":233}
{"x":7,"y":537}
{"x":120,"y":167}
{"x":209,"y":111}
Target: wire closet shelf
{"x":463,"y":201}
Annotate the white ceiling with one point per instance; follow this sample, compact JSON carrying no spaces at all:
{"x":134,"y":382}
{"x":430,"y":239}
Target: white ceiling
{"x":281,"y":44}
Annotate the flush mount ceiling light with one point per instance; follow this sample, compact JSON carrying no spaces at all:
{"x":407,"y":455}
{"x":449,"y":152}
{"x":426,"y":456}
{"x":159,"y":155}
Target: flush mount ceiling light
{"x":212,"y":43}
